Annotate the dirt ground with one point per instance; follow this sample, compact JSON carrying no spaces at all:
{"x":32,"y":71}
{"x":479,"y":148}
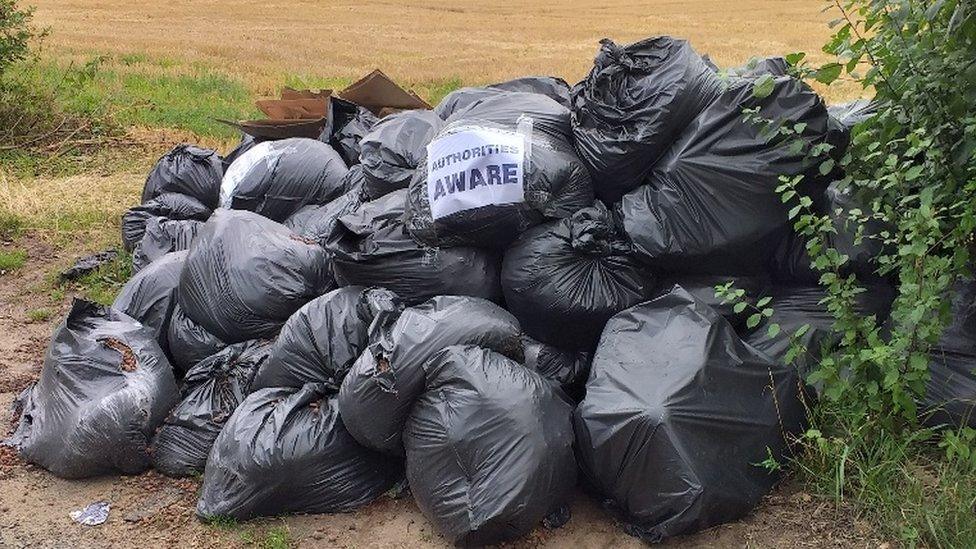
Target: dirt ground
{"x":150,"y":510}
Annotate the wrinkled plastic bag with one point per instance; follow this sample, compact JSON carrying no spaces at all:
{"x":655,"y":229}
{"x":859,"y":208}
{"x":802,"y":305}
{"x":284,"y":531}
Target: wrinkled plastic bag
{"x":168,"y":206}
{"x":567,"y":370}
{"x":565,"y":279}
{"x":555,"y":88}
{"x":93,"y":514}
{"x":632,"y":106}
{"x":795,"y":306}
{"x":164,"y":236}
{"x":187,"y":170}
{"x":210,"y":393}
{"x":950,"y":396}
{"x":392,"y":150}
{"x":678,"y":411}
{"x":104,"y":389}
{"x":382,"y":385}
{"x":347,"y":140}
{"x":88,"y":264}
{"x":319,"y":222}
{"x":247,"y":143}
{"x":246,"y":274}
{"x":710,"y":205}
{"x":276,"y":178}
{"x":761,"y":66}
{"x":371,"y":247}
{"x":843,"y":119}
{"x":322,"y":340}
{"x":489,"y":447}
{"x":150,"y":296}
{"x":285,"y":450}
{"x":554,"y":183}
{"x":552,"y":87}
{"x":188,"y":342}
{"x":703,"y":288}
{"x":858,"y":239}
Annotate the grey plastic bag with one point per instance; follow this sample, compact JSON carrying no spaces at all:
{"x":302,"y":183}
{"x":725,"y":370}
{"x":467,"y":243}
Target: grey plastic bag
{"x":322,"y":340}
{"x":210,"y":393}
{"x":104,"y":389}
{"x":382,"y":385}
{"x":489,"y":447}
{"x":285,"y":450}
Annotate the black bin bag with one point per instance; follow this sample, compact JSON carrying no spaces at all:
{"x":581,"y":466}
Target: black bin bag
{"x":703,"y":288}
{"x":246,"y":274}
{"x":319,"y":222}
{"x":187,"y":170}
{"x":246,"y":143}
{"x":552,"y":87}
{"x":844,"y":117}
{"x":634,"y":103}
{"x":394,"y":147}
{"x":565,"y":279}
{"x":276,"y":178}
{"x":322,"y":340}
{"x":489,"y":447}
{"x":503,"y":164}
{"x":150,"y":296}
{"x":377,"y":393}
{"x":168,"y":206}
{"x":462,"y":98}
{"x":347,"y":140}
{"x":187,"y":342}
{"x":163,"y":236}
{"x":567,"y":370}
{"x":371,"y":247}
{"x":761,"y":66}
{"x":795,"y":306}
{"x":285,"y":450}
{"x":859,"y":240}
{"x":104,"y":389}
{"x":210,"y":393}
{"x":710,"y":205}
{"x":950,"y":396}
{"x":678,"y":411}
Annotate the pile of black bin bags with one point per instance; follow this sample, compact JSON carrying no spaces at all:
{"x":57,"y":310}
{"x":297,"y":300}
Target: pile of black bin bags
{"x":493,"y":301}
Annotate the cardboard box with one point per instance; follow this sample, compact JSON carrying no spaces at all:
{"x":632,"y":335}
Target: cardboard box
{"x":379,"y":94}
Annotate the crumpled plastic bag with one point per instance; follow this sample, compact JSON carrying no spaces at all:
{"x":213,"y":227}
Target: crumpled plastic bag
{"x":104,"y":389}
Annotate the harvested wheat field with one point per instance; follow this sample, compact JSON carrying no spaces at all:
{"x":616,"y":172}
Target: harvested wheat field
{"x":417,"y":42}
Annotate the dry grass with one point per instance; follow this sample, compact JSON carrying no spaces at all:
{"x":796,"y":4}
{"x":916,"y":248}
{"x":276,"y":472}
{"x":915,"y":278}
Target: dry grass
{"x":422,"y":41}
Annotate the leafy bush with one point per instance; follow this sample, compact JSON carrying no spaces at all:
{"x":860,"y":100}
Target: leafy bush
{"x":913,"y":167}
{"x":16,"y":34}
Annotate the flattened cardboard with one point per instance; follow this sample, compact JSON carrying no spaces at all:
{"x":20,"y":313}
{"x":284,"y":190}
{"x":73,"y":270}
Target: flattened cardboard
{"x":280,"y":129}
{"x":377,"y":92}
{"x":294,"y":109}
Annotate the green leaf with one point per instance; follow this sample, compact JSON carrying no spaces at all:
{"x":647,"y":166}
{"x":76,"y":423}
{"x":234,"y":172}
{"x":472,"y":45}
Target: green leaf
{"x":739,"y":307}
{"x":763,"y":301}
{"x":794,"y":58}
{"x":827,"y":166}
{"x":828,"y":73}
{"x":763,"y":87}
{"x":914,"y":172}
{"x":753,"y":320}
{"x":773,"y":330}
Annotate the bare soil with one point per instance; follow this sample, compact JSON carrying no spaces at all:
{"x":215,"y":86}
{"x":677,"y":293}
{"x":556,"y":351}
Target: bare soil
{"x":151,"y":510}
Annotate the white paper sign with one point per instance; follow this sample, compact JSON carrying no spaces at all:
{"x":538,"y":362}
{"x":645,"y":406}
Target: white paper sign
{"x":475,"y":168}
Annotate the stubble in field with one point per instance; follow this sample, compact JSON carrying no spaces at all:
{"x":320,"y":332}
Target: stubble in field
{"x":424,"y":42}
